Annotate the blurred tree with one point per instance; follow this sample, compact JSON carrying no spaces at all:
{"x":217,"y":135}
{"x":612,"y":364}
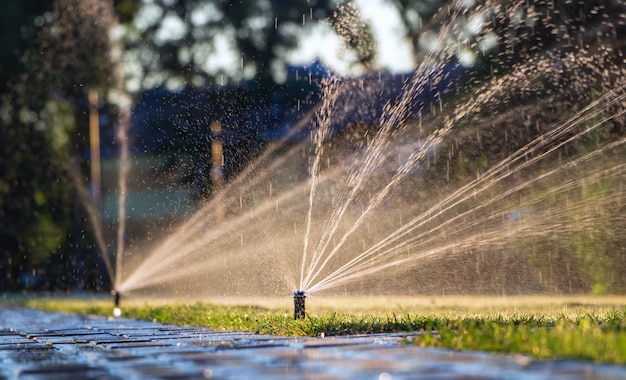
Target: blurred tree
{"x":23,"y":177}
{"x":17,"y":21}
{"x":416,"y":15}
{"x":60,"y":53}
{"x":193,"y":42}
{"x":356,"y":33}
{"x":126,"y":9}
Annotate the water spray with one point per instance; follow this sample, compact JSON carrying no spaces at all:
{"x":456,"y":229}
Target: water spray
{"x":116,"y":301}
{"x":298,"y":304}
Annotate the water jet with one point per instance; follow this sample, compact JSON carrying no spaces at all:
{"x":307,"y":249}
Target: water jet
{"x":389,"y":203}
{"x":298,"y":304}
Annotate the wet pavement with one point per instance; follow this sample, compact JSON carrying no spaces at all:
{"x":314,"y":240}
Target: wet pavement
{"x":42,"y":345}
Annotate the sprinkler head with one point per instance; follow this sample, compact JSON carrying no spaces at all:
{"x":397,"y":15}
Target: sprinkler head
{"x":116,"y":297}
{"x":298,"y":304}
{"x":116,"y":301}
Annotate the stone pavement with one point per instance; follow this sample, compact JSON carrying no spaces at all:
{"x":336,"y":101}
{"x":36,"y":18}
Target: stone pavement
{"x":42,"y":345}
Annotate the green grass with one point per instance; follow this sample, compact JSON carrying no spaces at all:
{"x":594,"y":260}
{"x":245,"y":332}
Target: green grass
{"x":589,"y":337}
{"x":589,"y":331}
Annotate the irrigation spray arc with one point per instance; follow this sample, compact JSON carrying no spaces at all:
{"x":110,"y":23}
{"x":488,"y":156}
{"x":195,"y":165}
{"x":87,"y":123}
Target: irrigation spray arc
{"x":408,"y":191}
{"x":98,"y":29}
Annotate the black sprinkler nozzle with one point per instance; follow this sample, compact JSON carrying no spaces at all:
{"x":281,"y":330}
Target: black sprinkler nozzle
{"x":298,"y":304}
{"x":116,"y":297}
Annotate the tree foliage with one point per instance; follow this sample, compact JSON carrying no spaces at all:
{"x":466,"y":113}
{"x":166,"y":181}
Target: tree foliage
{"x":178,"y":42}
{"x":60,"y":53}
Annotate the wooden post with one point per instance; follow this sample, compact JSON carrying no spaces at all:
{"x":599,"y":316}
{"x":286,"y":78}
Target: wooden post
{"x":94,"y":140}
{"x":217,"y":166}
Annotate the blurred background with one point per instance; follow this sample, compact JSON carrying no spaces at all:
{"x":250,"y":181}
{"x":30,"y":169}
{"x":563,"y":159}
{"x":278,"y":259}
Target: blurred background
{"x":83,"y":81}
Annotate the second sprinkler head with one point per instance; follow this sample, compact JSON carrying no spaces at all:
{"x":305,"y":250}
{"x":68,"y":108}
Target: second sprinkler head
{"x":116,"y":297}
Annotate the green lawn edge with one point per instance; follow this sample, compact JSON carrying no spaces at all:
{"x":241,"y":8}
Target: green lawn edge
{"x":594,"y":336}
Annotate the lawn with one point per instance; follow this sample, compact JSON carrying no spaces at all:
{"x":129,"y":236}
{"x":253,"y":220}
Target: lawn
{"x":585,"y":327}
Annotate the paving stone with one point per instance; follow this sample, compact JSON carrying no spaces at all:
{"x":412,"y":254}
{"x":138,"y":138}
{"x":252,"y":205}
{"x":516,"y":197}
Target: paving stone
{"x":136,"y":344}
{"x":57,"y":368}
{"x":11,"y":340}
{"x":38,"y":345}
{"x":22,"y":345}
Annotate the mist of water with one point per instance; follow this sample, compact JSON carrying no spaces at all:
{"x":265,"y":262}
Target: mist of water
{"x":373,"y":206}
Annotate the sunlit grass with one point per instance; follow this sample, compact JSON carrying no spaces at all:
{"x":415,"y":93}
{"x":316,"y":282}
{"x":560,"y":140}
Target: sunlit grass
{"x":589,"y":328}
